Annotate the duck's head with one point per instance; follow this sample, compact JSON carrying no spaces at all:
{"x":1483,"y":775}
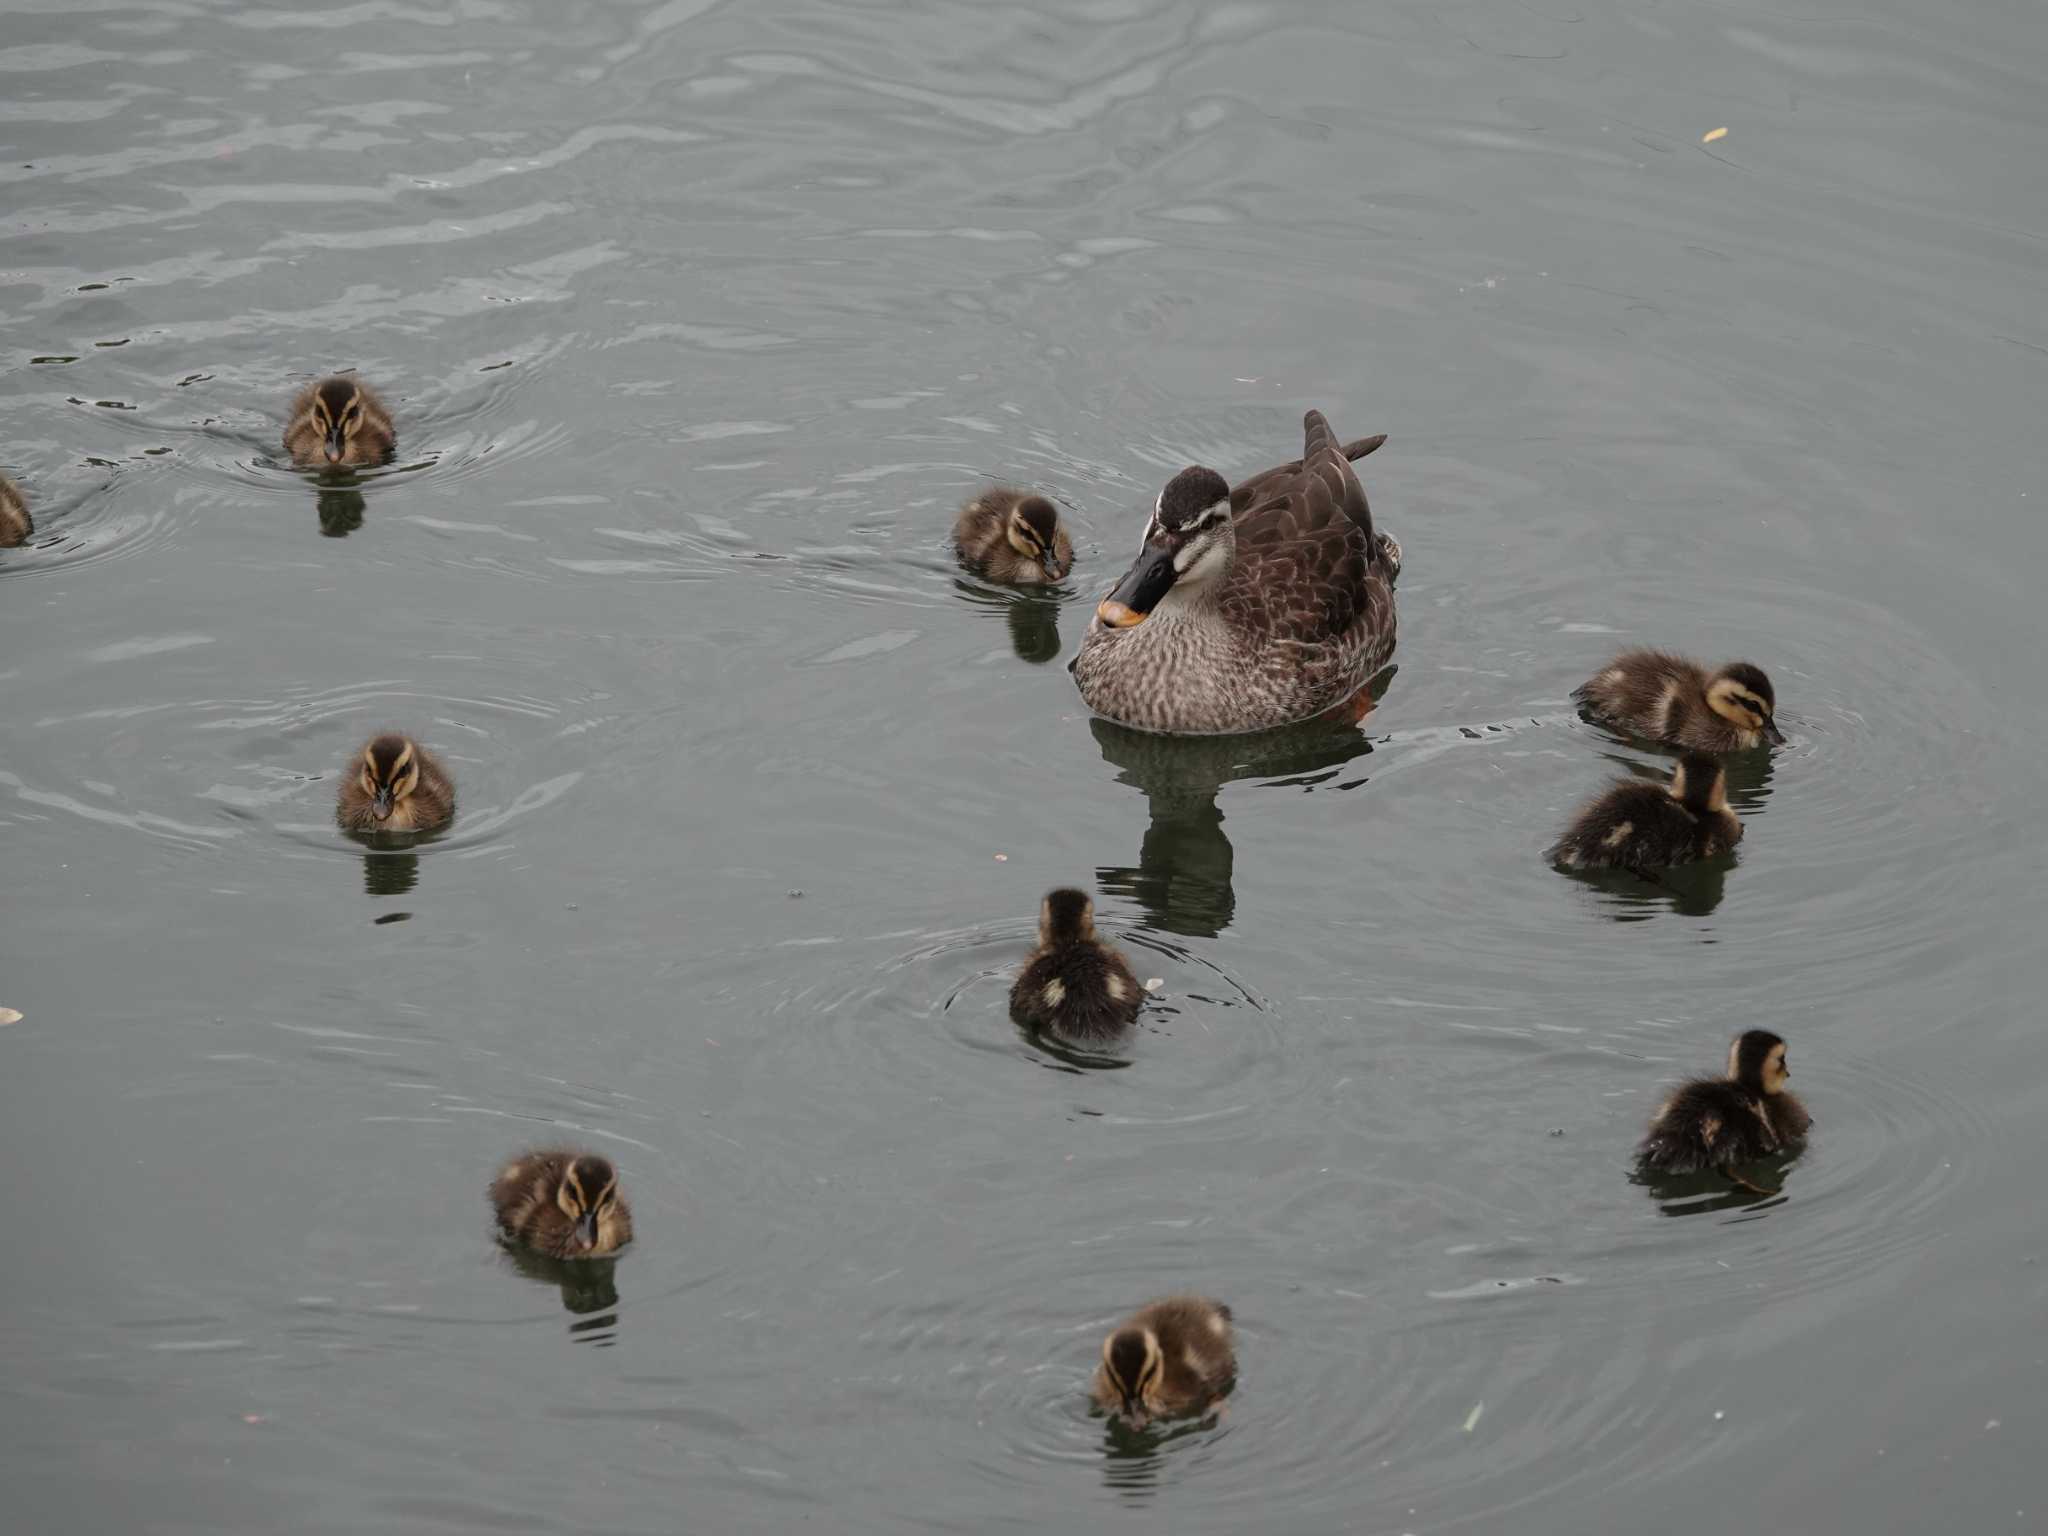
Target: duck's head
{"x":1741,"y":694}
{"x":1033,"y":531}
{"x":1700,"y":784}
{"x":1189,"y":543}
{"x":589,"y":1187}
{"x":338,"y":412}
{"x":388,"y":773}
{"x":1134,"y":1362}
{"x":1756,"y":1060}
{"x":1066,"y":916}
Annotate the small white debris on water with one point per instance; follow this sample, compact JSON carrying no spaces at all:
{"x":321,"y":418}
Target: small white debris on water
{"x":1719,"y":1415}
{"x":1154,"y":983}
{"x":1473,"y":1417}
{"x":10,"y":1015}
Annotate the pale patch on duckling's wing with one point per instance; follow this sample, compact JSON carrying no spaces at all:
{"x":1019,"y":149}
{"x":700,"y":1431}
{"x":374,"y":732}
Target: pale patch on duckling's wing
{"x":1055,"y":993}
{"x":1619,"y":835}
{"x":1114,"y":985}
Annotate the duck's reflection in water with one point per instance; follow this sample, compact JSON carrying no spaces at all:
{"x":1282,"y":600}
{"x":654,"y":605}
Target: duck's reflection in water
{"x":1183,"y":876}
{"x":1032,"y":613}
{"x":341,"y":509}
{"x":586,"y":1285}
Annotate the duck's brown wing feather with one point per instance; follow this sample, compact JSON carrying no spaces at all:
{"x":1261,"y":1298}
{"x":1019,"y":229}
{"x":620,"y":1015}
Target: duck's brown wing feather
{"x":1255,"y":489}
{"x":1308,"y":564}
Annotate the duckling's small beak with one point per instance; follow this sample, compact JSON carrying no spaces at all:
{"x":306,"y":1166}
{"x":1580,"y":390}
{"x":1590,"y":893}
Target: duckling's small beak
{"x":337,"y":445}
{"x":1055,"y":567}
{"x":1776,"y":736}
{"x":1150,"y":578}
{"x":380,"y":803}
{"x":586,"y":1229}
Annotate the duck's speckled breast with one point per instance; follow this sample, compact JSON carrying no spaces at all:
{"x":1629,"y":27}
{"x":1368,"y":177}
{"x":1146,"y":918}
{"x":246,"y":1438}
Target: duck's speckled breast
{"x":1193,"y":675}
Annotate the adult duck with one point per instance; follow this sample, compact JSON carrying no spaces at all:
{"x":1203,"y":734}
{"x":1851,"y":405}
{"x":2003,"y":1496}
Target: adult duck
{"x":1247,"y":608}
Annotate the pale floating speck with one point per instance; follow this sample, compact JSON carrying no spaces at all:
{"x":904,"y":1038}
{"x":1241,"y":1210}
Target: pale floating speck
{"x":1712,"y":134}
{"x":1154,"y":983}
{"x":1991,"y":1423}
{"x":10,"y":1015}
{"x":1002,"y":858}
{"x":1472,"y":1418}
{"x":1719,"y":1415}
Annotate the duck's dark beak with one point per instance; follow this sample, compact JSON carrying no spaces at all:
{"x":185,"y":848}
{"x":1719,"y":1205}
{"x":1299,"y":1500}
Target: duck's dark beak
{"x":1055,"y":568}
{"x":1777,"y":737}
{"x":380,"y":803}
{"x":586,"y":1229}
{"x":1148,"y":580}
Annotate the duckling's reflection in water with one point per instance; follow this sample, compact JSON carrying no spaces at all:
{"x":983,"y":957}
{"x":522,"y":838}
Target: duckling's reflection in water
{"x":1033,"y":614}
{"x":1183,"y":875}
{"x":587,"y":1287}
{"x":1132,"y":1459}
{"x":389,"y":872}
{"x":1759,"y":1185}
{"x":1035,"y":626}
{"x":341,"y":508}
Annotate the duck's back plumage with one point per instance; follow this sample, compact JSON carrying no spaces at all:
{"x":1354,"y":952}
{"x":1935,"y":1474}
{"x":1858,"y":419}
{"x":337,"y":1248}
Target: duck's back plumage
{"x":1082,"y":991}
{"x":1635,"y":825}
{"x":1715,"y":1123}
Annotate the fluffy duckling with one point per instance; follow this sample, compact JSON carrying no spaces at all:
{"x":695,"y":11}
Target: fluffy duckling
{"x":1013,"y":536}
{"x":1634,"y":825}
{"x":1170,"y":1359}
{"x":15,"y":524}
{"x":1074,"y":985}
{"x":562,"y":1203}
{"x":395,"y":785}
{"x":1720,"y":1122}
{"x":339,"y":420}
{"x":1661,"y":697}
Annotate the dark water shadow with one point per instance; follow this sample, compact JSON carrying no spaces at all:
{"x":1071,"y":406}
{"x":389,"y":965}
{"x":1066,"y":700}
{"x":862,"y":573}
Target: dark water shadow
{"x":587,"y":1286}
{"x":1182,"y":879}
{"x":1075,"y":1057}
{"x":341,"y":509}
{"x":391,"y":863}
{"x":1133,"y":1459}
{"x":1630,"y":896}
{"x":1700,"y":1194}
{"x":1033,"y":614}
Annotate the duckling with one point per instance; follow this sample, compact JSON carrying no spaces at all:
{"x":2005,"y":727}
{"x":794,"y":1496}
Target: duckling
{"x":1170,"y":1359}
{"x":1013,"y":536}
{"x":396,"y":785}
{"x":1720,"y":1122}
{"x":15,"y":524}
{"x":339,"y":420}
{"x":1661,"y":697}
{"x":1074,"y":985}
{"x":562,"y":1203}
{"x":1634,"y":825}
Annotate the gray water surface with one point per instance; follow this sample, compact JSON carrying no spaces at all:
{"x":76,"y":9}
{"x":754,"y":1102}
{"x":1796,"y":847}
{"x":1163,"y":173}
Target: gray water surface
{"x":699,"y":320}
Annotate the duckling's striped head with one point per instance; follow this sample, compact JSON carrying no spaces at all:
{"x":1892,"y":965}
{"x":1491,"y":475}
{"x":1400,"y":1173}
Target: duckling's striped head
{"x":1700,"y":784}
{"x":1742,"y":695}
{"x":1757,"y":1060}
{"x":1134,"y":1362}
{"x":589,"y":1188}
{"x":389,"y":773}
{"x":338,"y":415}
{"x":1066,"y":916}
{"x":1188,"y":542}
{"x":1033,"y":531}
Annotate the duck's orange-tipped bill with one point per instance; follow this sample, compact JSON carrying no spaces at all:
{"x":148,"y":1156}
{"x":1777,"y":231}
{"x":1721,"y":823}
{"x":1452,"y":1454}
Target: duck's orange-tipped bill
{"x":1116,"y":615}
